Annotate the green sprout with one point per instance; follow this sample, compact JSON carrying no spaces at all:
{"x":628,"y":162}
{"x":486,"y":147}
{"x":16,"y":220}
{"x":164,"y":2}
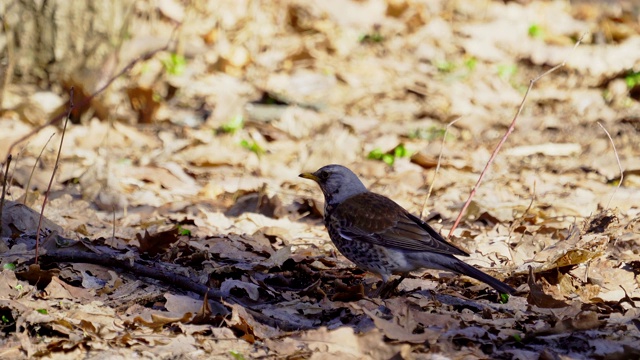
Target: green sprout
{"x":390,"y":157}
{"x":9,"y":266}
{"x":175,"y":64}
{"x":184,"y":232}
{"x":445,"y":66}
{"x":42,"y":311}
{"x":632,"y":79}
{"x":236,"y":123}
{"x":400,"y":151}
{"x":252,"y":146}
{"x":536,"y":31}
{"x":471,"y":63}
{"x":504,"y":298}
{"x":374,"y":37}
{"x":430,"y":133}
{"x":507,"y":71}
{"x":236,"y":355}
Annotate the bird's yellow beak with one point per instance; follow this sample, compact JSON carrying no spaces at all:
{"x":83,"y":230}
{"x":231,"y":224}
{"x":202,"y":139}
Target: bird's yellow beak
{"x":309,"y":176}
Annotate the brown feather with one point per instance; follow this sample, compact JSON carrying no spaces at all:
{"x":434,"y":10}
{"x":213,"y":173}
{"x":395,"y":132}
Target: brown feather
{"x":376,"y":219}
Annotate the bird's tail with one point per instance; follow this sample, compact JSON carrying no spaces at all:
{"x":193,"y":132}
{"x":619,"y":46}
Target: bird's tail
{"x":466,"y":269}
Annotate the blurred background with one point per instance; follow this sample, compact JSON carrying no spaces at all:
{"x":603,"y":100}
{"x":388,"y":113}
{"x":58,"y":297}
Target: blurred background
{"x":206,"y":112}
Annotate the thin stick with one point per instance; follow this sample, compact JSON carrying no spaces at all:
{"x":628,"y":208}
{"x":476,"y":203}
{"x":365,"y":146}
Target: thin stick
{"x":435,"y":174}
{"x":34,"y":169}
{"x":5,"y":178}
{"x":506,"y":135}
{"x":53,"y":173}
{"x":113,"y":228}
{"x":15,"y":165}
{"x":617,"y":159}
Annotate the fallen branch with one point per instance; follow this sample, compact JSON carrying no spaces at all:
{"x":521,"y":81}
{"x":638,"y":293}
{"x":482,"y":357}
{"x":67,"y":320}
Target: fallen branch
{"x":155,"y":270}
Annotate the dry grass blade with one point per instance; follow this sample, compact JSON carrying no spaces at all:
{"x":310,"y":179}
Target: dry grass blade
{"x":435,"y":174}
{"x":34,"y":167}
{"x":4,"y":186}
{"x":615,"y":151}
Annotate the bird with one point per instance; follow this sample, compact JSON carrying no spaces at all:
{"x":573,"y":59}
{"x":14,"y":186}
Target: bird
{"x":380,"y":236}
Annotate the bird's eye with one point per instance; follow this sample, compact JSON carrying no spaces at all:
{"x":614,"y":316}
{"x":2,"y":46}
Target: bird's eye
{"x":323,"y":175}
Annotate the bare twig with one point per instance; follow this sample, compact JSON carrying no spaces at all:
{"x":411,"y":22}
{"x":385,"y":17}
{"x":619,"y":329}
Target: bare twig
{"x":5,"y":178}
{"x":53,"y":173}
{"x":506,"y":135}
{"x":521,"y":219}
{"x":15,"y":165}
{"x":435,"y":174}
{"x":27,"y":187}
{"x":156,"y":270}
{"x":113,"y":228}
{"x":615,"y":151}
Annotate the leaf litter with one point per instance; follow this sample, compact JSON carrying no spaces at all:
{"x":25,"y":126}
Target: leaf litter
{"x":181,"y":235}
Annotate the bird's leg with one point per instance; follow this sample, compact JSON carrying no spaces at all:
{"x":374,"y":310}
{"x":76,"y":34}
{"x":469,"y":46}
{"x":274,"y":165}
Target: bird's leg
{"x":388,"y":287}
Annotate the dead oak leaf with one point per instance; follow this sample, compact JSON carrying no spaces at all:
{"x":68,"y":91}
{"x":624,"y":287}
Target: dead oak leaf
{"x":159,"y":320}
{"x":401,"y":332}
{"x":36,"y":276}
{"x":538,"y":297}
{"x":158,"y":242}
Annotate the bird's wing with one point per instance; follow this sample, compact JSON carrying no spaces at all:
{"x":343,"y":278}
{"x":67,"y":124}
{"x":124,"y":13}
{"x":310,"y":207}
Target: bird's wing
{"x":376,"y":219}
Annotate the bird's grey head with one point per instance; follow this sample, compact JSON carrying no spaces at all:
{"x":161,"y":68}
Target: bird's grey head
{"x":337,"y":183}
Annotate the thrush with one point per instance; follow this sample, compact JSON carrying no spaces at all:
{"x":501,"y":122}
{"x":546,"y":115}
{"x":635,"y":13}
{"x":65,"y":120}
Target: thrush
{"x":380,"y":236}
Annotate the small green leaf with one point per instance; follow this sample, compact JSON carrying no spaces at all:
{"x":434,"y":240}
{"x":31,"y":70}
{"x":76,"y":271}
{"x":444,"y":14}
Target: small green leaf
{"x":400,"y":151}
{"x":9,"y":266}
{"x":236,"y":355}
{"x":184,"y":232}
{"x":388,"y":159}
{"x":632,"y":79}
{"x":42,"y":311}
{"x":375,"y":37}
{"x":252,"y":146}
{"x":18,"y":287}
{"x":375,"y":154}
{"x":445,"y":66}
{"x":504,"y":298}
{"x":517,"y":337}
{"x":175,"y":64}
{"x":233,"y":125}
{"x":506,"y":71}
{"x":536,"y":31}
{"x":471,"y":63}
